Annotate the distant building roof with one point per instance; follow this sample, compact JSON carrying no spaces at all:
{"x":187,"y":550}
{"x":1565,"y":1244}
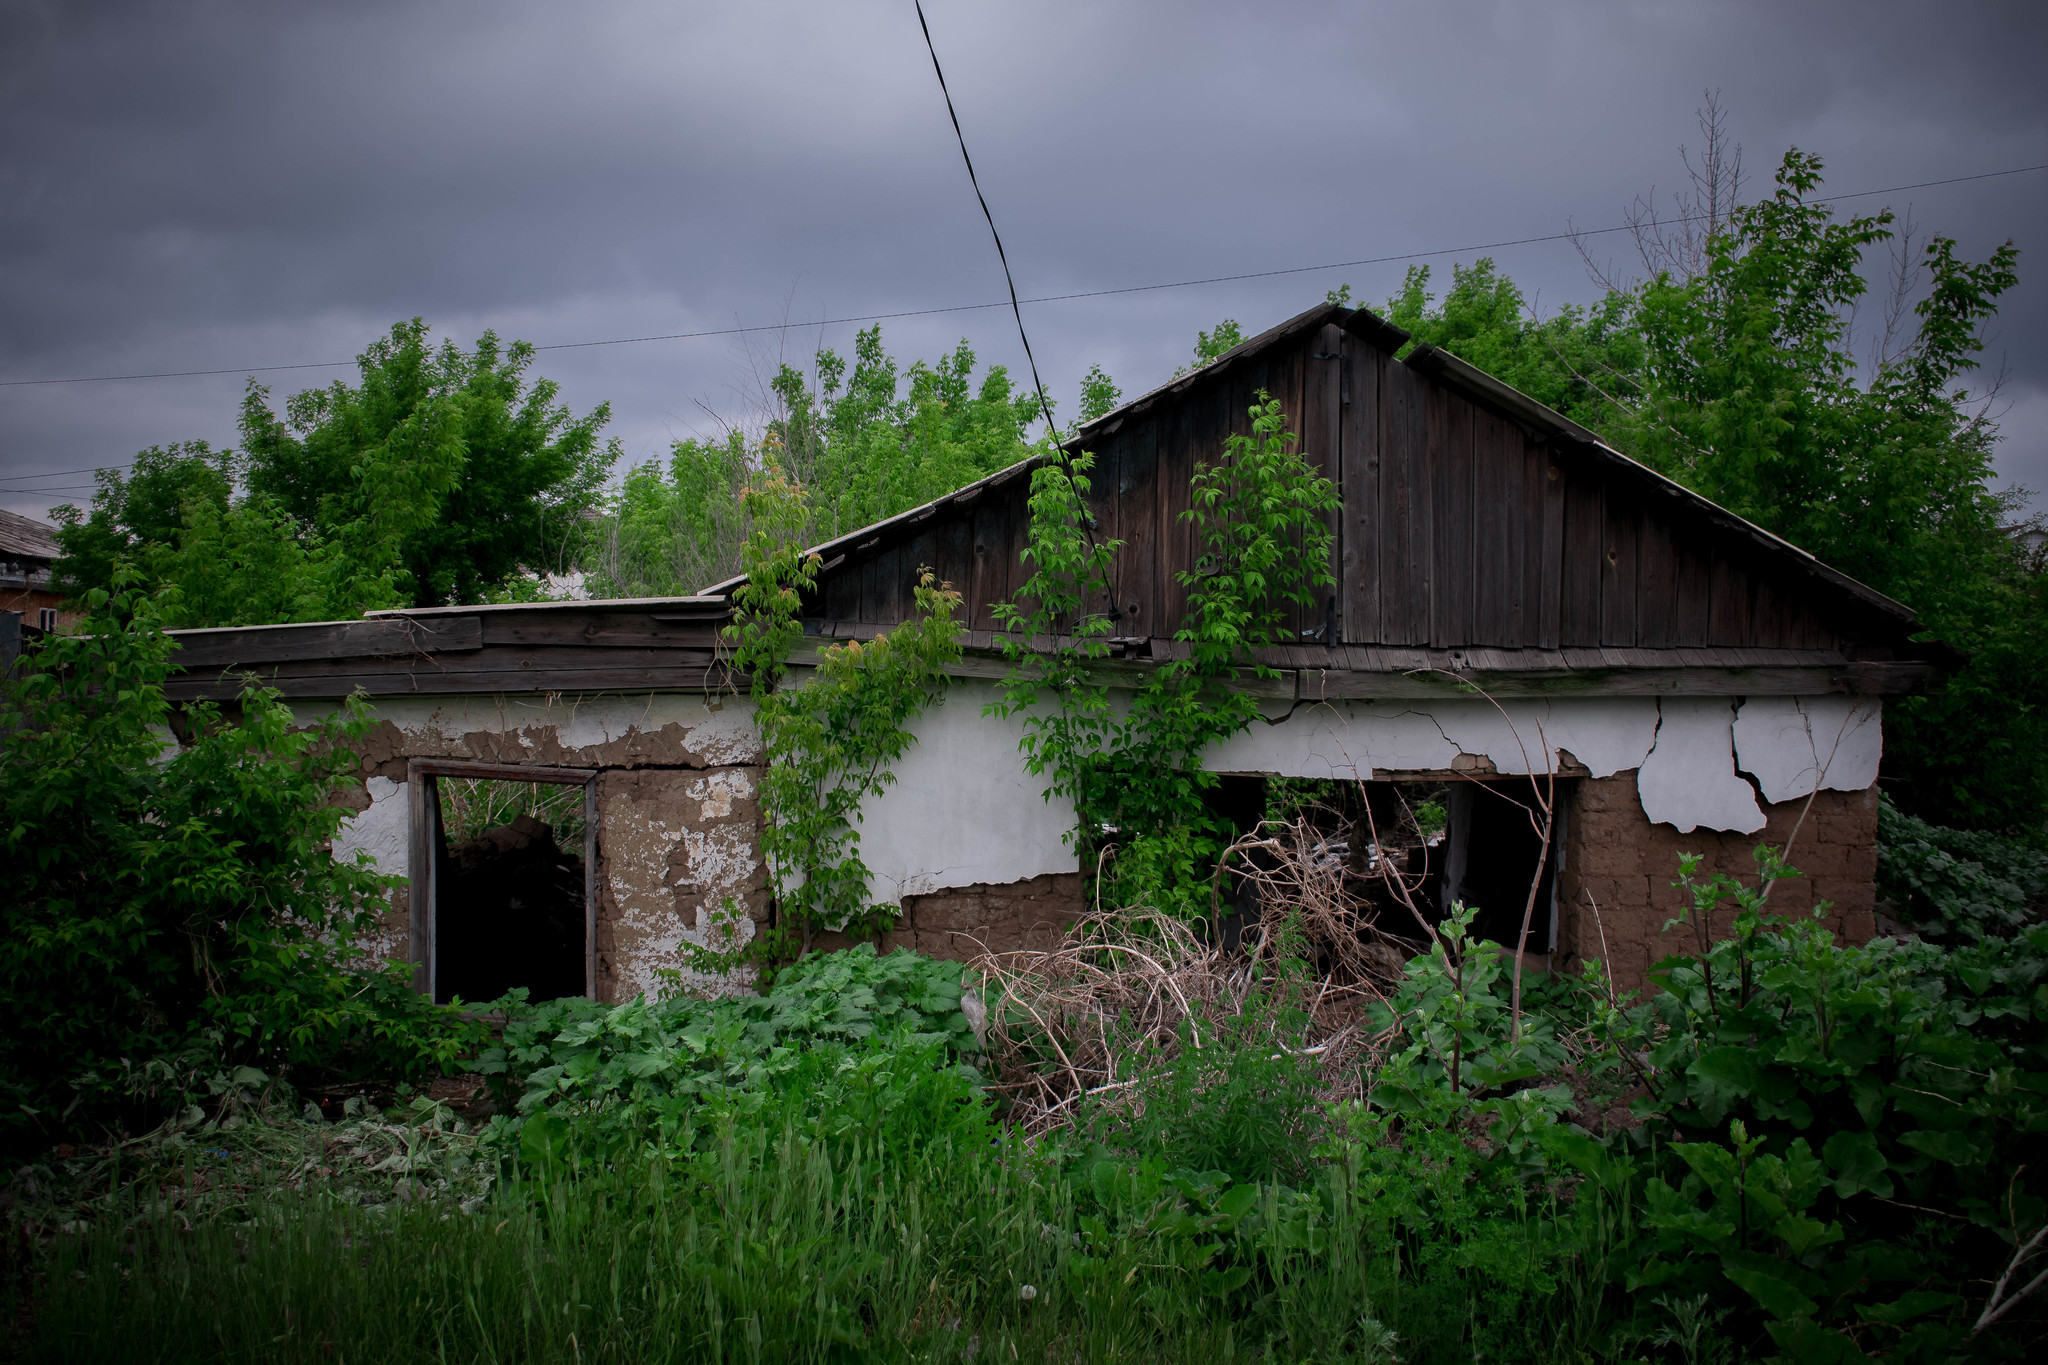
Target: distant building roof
{"x":26,"y":538}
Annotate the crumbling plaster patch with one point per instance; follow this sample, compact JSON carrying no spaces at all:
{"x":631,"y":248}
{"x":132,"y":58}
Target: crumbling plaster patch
{"x":671,"y":729}
{"x":1685,"y":748}
{"x":383,"y":829}
{"x":1789,"y":743}
{"x":680,"y":866}
{"x":1352,"y":740}
{"x":963,"y":811}
{"x":1689,"y":779}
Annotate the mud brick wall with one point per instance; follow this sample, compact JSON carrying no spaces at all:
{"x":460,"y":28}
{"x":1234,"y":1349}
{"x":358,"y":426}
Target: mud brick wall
{"x":1615,"y":857}
{"x":958,"y":924}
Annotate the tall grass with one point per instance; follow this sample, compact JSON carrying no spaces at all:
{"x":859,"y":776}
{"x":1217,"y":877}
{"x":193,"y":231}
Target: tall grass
{"x":773,"y":1248}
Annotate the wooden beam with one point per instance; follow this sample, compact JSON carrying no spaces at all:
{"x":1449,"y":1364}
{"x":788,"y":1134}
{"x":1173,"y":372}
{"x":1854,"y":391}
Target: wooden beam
{"x":382,"y":638}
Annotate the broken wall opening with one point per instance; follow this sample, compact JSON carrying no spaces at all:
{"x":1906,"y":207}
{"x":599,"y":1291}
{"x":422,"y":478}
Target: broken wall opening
{"x":504,"y":880}
{"x":1473,"y":840}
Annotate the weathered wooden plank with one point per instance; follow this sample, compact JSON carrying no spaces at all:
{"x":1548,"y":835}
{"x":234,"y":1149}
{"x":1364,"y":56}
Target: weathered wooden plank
{"x":1583,"y":565}
{"x":1547,"y":568}
{"x":522,"y":772}
{"x":1695,"y":593}
{"x":338,"y":684}
{"x":1137,"y":563}
{"x":1505,"y":509}
{"x":600,"y":630}
{"x":1361,"y":528}
{"x":1729,"y":595}
{"x":995,"y":557}
{"x":1451,"y":461}
{"x":919,"y":552}
{"x":1322,"y":385}
{"x":1656,"y":580}
{"x":1408,"y":560}
{"x":1770,"y":618}
{"x":327,"y":640}
{"x":953,"y":538}
{"x":1618,"y":569}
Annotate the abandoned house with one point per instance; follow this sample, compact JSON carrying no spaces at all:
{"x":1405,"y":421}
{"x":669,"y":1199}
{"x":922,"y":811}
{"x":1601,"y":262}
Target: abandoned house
{"x":1693,"y":683}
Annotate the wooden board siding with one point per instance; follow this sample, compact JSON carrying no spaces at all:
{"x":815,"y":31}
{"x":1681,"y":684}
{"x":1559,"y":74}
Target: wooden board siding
{"x":1461,"y":525}
{"x":1360,"y":532}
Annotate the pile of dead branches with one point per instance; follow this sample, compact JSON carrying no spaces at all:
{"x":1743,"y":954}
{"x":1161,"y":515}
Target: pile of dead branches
{"x":1129,"y":987}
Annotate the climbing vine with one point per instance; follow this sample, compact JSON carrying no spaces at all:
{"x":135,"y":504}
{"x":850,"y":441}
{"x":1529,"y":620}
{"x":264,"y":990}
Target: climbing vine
{"x":1260,"y":517}
{"x":829,"y":740}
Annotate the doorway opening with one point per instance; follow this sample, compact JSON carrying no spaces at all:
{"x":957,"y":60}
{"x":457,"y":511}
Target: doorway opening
{"x":504,"y":880}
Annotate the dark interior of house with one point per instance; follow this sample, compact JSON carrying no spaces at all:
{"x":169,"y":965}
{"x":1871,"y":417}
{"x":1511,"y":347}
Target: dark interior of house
{"x":509,"y":912}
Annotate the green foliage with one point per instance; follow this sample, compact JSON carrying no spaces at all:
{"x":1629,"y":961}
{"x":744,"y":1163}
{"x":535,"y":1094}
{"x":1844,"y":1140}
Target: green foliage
{"x":1238,"y":1096}
{"x":845,"y":1042}
{"x":169,"y":906}
{"x":1749,"y":383}
{"x":1846,"y":1131}
{"x":1456,"y":1025}
{"x":1571,"y":361}
{"x":872,"y":442}
{"x":1259,"y":518}
{"x":1211,"y":345}
{"x":830,"y":739}
{"x":1057,"y":625}
{"x":673,"y":535}
{"x":441,"y":476}
{"x":1953,"y":883}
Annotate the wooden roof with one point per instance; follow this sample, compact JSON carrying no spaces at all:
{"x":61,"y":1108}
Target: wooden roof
{"x":26,"y":539}
{"x":1480,"y":535}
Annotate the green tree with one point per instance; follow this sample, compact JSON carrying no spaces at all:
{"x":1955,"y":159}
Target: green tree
{"x":862,"y":441}
{"x":1571,"y":361}
{"x":1752,"y":393}
{"x":142,"y":505}
{"x":456,"y":466}
{"x":442,"y":475}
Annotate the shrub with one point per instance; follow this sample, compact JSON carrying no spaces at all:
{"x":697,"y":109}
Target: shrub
{"x":172,"y":907}
{"x":1954,"y":883}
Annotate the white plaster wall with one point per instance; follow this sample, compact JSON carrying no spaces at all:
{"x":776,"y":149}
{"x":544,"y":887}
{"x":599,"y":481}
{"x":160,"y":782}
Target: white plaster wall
{"x":1353,"y":740}
{"x":384,"y":830}
{"x":1687,"y":750}
{"x":1788,"y":744}
{"x":1689,"y":779}
{"x":962,"y":809}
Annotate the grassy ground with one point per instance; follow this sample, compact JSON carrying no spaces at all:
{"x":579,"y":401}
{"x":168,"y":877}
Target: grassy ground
{"x":235,"y":1246}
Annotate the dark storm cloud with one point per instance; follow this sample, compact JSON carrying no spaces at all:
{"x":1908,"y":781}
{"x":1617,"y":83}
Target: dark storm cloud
{"x":192,"y":186}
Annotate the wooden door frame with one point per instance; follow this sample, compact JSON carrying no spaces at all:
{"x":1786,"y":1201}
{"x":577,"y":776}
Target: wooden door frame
{"x":423,"y":780}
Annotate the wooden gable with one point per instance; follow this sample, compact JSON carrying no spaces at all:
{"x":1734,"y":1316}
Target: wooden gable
{"x":1478,"y":530}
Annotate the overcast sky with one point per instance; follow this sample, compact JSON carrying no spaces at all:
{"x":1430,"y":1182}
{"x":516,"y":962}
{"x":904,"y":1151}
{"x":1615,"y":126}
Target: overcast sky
{"x":200,"y":186}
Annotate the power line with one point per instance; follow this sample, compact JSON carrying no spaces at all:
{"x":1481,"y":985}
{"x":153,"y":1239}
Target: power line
{"x":1043,"y":298}
{"x":1015,"y":308}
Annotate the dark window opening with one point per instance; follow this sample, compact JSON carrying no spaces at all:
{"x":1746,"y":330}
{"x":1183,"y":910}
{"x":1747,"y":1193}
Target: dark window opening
{"x":1471,"y":841}
{"x":503,"y":884}
{"x":1494,"y":846}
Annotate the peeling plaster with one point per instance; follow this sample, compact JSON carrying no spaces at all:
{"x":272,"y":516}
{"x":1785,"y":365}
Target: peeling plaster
{"x":668,"y":873}
{"x":1786,"y":743}
{"x":963,"y":811}
{"x":384,"y":829}
{"x":1352,"y":740}
{"x":607,"y":730}
{"x":1689,"y":780}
